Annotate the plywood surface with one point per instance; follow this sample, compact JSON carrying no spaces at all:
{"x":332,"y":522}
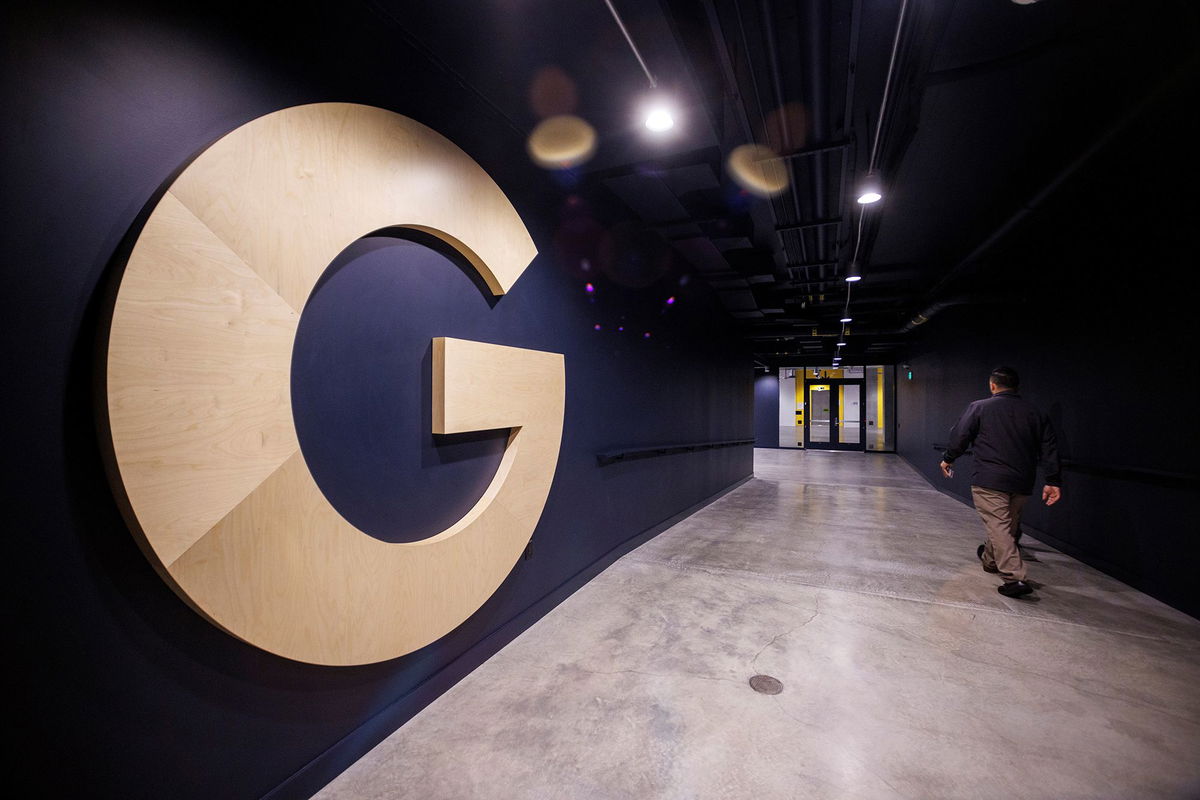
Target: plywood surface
{"x":198,"y":386}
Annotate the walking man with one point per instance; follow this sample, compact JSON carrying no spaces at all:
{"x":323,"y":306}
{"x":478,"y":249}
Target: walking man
{"x":1008,"y":436}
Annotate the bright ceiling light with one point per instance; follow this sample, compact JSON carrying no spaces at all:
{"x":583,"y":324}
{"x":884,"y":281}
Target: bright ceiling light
{"x":870,"y":190}
{"x":853,"y":273}
{"x":659,"y":120}
{"x":841,"y":344}
{"x":846,"y":319}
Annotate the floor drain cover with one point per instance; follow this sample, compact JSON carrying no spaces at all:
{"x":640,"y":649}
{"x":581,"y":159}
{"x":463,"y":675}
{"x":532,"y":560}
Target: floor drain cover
{"x":765,"y":684}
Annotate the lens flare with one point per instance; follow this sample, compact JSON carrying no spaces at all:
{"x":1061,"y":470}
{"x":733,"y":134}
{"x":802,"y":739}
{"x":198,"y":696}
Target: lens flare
{"x":562,"y":142}
{"x":552,"y":93}
{"x":758,"y":170}
{"x":787,"y":127}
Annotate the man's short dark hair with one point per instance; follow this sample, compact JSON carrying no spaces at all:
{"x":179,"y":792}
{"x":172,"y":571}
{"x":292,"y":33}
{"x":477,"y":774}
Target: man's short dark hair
{"x":1005,"y":378}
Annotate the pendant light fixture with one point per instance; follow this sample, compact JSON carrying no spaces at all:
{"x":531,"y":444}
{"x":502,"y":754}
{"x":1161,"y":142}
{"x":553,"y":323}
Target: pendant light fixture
{"x":870,"y":190}
{"x":658,"y":114}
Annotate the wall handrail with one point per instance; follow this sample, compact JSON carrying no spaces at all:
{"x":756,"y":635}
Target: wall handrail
{"x":631,"y":453}
{"x":1157,"y":477}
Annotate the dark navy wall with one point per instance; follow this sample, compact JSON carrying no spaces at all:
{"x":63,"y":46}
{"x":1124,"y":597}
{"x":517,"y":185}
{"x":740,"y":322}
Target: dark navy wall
{"x":1110,"y":423}
{"x":125,"y":691}
{"x":1100,"y":325}
{"x":766,"y":409}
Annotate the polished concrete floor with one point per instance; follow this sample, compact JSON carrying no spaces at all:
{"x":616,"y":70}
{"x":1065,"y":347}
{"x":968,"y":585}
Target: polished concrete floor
{"x":905,"y":675}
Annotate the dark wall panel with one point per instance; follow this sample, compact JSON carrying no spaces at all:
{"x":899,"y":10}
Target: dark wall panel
{"x":126,"y":691}
{"x":766,"y":410}
{"x":1091,"y":301}
{"x":1118,"y":513}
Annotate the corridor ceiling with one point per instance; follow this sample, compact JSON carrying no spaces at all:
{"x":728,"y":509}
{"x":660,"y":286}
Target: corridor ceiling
{"x":991,"y":107}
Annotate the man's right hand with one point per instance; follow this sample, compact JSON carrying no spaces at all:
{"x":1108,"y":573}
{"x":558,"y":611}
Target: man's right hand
{"x":947,"y":470}
{"x":1051,"y":495}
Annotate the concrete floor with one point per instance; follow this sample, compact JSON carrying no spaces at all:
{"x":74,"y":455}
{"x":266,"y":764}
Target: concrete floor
{"x":905,"y":675}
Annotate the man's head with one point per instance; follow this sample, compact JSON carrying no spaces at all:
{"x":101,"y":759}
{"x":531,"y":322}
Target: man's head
{"x":1004,"y":379}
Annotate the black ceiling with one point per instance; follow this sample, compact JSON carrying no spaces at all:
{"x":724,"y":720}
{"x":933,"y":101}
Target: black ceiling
{"x":991,"y":107}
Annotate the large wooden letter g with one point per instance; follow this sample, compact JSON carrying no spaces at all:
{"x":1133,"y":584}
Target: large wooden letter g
{"x":205,"y":457}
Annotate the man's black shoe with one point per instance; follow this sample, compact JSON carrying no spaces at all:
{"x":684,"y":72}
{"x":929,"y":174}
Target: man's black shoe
{"x":1015,"y":589}
{"x":986,"y":568}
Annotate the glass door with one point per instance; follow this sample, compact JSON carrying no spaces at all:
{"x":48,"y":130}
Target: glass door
{"x":817,"y":420}
{"x":834,"y":414}
{"x":849,"y":414}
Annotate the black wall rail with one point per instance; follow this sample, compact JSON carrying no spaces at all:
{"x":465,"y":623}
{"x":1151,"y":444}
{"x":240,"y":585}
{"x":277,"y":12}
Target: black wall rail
{"x":1154,"y":477}
{"x":632,"y":453}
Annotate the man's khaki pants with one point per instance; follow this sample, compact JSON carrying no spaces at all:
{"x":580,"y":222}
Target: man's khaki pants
{"x":1001,"y":515}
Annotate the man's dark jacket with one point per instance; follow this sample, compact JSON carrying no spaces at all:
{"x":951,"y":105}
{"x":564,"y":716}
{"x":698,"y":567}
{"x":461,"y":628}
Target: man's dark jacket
{"x":1007,"y":436}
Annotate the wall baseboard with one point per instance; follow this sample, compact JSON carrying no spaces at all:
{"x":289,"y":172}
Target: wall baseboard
{"x":314,"y":775}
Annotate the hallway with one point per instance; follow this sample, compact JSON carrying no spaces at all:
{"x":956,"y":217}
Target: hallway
{"x":905,"y":674}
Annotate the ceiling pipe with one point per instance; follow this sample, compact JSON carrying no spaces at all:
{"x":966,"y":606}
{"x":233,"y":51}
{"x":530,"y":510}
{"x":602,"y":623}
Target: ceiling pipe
{"x":873,"y":164}
{"x":804,"y":287}
{"x":1098,"y":144}
{"x":816,"y":223}
{"x":813,"y":151}
{"x":801,"y":332}
{"x":920,"y":318}
{"x":729,"y":79}
{"x":931,"y":310}
{"x":766,"y":14}
{"x":814,"y":21}
{"x":849,"y":157}
{"x":815,"y":264}
{"x":994,"y":64}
